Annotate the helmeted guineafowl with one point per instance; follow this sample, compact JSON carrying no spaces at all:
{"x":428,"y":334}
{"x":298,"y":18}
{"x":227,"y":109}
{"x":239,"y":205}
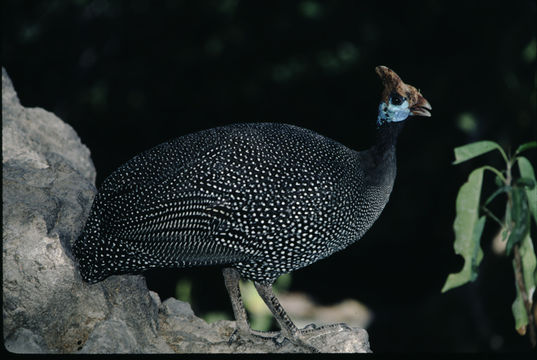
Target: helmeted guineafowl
{"x":259,"y":199}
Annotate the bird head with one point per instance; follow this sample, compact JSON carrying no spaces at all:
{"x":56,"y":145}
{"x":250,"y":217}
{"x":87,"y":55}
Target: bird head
{"x":399,"y":100}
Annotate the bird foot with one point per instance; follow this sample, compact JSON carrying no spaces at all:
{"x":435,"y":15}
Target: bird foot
{"x":278,"y":338}
{"x":303,"y":338}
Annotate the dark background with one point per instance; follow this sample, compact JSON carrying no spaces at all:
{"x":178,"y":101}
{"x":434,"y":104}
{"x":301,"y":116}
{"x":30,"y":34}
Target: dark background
{"x":128,"y":75}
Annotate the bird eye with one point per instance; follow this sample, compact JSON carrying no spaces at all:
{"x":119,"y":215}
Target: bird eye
{"x":397,"y":99}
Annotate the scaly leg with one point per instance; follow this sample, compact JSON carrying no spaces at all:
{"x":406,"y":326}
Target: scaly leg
{"x":231,"y":278}
{"x":289,"y":329}
{"x":286,"y":324}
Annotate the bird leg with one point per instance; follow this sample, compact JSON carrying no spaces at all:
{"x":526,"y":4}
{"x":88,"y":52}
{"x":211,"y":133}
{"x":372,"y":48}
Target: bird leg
{"x":289,"y":331}
{"x":231,"y":278}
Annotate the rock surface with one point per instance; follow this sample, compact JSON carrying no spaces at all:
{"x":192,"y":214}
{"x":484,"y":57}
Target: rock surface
{"x":48,"y":187}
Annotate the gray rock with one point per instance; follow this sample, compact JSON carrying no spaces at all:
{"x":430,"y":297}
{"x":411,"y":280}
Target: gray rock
{"x":48,"y":187}
{"x":24,"y":341}
{"x":109,"y":337}
{"x":340,"y":338}
{"x":33,"y":133}
{"x":47,"y":192}
{"x":174,"y":307}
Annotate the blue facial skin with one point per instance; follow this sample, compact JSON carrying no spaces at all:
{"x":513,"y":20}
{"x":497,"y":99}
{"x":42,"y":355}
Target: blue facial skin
{"x":392,"y":113}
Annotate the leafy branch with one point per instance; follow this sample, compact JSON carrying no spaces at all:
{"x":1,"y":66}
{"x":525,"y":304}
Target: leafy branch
{"x":520,"y":207}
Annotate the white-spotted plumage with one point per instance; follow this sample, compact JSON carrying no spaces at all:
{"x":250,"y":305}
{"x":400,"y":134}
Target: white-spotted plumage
{"x":264,"y":198}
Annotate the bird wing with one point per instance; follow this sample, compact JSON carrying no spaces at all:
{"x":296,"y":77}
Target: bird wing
{"x":169,"y":221}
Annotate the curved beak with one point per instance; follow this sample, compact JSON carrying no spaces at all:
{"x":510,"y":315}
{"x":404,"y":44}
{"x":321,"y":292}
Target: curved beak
{"x":421,"y":107}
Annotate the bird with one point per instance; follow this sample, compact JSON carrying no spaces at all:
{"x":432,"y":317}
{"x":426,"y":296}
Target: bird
{"x":258,"y":199}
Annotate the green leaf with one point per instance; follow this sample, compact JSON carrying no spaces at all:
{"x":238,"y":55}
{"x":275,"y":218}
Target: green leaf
{"x":468,"y":228}
{"x":529,"y":264}
{"x":527,"y":182}
{"x":478,"y":253}
{"x":470,"y":151}
{"x":519,"y":313}
{"x":520,"y":218}
{"x":526,"y":146}
{"x":526,"y":171}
